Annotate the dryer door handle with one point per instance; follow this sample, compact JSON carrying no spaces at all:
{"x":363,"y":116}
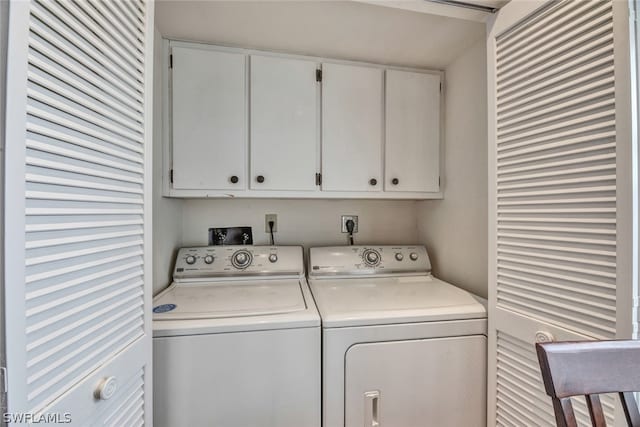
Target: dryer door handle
{"x":372,"y":408}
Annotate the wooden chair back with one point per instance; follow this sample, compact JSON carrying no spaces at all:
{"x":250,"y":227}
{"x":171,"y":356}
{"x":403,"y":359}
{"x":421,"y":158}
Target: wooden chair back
{"x":590,"y":368}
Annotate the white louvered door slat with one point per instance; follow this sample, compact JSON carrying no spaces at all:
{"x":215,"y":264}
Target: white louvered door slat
{"x":78,"y":140}
{"x":555,"y":239}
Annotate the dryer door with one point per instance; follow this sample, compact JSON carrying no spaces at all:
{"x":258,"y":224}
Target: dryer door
{"x":438,"y":382}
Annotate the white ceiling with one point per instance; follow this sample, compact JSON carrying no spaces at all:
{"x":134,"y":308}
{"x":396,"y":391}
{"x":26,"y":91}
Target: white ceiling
{"x":437,"y":7}
{"x":333,"y":29}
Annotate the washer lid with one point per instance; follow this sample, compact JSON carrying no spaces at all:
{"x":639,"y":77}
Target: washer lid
{"x":212,"y":300}
{"x":377,"y":301}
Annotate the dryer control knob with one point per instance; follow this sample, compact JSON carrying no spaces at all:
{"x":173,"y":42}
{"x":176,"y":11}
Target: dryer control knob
{"x":241,"y":259}
{"x":399,"y":256}
{"x":371,"y":257}
{"x":208,"y":259}
{"x":413,"y":256}
{"x":273,"y":257}
{"x":191,"y":259}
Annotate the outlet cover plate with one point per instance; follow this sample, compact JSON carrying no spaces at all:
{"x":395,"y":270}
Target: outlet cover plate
{"x":346,"y":218}
{"x":270,"y":217}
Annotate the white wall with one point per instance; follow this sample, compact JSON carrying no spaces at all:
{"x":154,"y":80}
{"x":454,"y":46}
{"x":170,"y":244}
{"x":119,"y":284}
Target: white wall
{"x":334,"y":29}
{"x":455,"y":228}
{"x":167,"y":213}
{"x":303,"y":222}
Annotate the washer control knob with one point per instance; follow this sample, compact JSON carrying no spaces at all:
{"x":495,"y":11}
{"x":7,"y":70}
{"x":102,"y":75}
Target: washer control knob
{"x":241,"y":259}
{"x":413,"y":256}
{"x":273,"y":257}
{"x":191,"y":259}
{"x":208,"y":259}
{"x":371,"y":257}
{"x":399,"y":256}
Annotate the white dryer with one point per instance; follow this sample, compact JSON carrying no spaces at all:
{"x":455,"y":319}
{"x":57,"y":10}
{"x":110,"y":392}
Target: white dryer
{"x":400,"y":347}
{"x":236,"y":340}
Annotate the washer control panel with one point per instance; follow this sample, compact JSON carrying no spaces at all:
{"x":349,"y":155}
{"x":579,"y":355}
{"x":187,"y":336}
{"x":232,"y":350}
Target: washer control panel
{"x":347,"y":260}
{"x":215,"y":261}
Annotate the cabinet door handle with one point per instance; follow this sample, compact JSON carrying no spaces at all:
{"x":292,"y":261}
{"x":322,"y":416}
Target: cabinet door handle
{"x":395,"y":181}
{"x":260,"y":179}
{"x":233,"y":179}
{"x":373,"y":181}
{"x":372,"y":408}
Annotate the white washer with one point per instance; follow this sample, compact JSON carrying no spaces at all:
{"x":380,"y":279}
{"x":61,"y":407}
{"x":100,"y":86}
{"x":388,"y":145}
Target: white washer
{"x":236,"y":340}
{"x":400,"y":347}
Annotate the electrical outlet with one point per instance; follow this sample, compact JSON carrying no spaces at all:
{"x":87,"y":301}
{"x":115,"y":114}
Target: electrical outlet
{"x":270,"y":217}
{"x":346,"y":218}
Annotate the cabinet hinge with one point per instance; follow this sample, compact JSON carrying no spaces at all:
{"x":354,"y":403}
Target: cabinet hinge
{"x":318,"y":179}
{"x":440,"y":87}
{"x":171,"y":176}
{"x":318,"y":75}
{"x":171,"y":61}
{"x":3,"y":380}
{"x":439,"y":180}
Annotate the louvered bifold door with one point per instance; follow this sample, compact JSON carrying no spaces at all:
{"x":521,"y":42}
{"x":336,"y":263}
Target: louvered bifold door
{"x":77,"y":212}
{"x":554,"y":187}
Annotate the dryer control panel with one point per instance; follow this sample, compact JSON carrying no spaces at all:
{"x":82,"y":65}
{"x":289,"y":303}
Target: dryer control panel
{"x":358,"y":260}
{"x":216,"y":261}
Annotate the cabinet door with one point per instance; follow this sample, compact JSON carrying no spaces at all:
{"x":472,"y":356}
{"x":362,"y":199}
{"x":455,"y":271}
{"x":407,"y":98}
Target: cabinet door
{"x":412,"y":147}
{"x":284,"y":124}
{"x":209,"y":119}
{"x":351,"y":128}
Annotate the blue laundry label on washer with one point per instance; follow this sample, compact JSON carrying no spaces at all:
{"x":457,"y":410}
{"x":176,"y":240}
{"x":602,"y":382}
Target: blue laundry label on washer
{"x":164,"y":308}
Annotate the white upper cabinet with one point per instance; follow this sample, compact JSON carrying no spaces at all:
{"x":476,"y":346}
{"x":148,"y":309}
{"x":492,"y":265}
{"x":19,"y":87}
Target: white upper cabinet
{"x":243,"y":123}
{"x":352,"y":123}
{"x":284,"y":124}
{"x":412,"y":147}
{"x":209,"y":119}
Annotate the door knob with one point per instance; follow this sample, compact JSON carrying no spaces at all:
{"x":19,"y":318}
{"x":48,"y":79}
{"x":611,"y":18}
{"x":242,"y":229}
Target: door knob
{"x":260,"y":179}
{"x":106,"y":388}
{"x":233,"y":179}
{"x":395,"y":181}
{"x":544,"y":336}
{"x":373,"y":181}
